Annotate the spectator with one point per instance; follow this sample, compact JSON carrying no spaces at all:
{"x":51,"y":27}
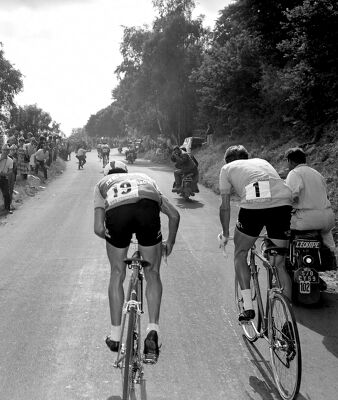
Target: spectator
{"x":209,"y":133}
{"x":6,"y":168}
{"x":14,"y":156}
{"x":40,"y":158}
{"x":41,"y":142}
{"x":31,"y":149}
{"x":23,"y":158}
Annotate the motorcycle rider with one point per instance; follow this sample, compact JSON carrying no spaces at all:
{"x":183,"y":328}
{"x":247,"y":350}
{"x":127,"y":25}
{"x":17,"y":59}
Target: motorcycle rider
{"x":105,"y":151}
{"x":131,"y":152}
{"x":184,"y":165}
{"x":312,"y":208}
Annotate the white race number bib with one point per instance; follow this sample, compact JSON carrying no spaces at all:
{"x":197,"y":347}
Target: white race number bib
{"x":122,"y":191}
{"x":258,"y":191}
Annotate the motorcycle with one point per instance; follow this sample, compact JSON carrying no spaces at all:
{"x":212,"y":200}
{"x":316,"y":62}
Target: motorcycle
{"x":185,"y":190}
{"x":130,"y":157}
{"x":303,"y":263}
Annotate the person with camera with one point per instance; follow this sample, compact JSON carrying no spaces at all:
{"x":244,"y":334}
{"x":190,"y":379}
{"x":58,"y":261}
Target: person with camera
{"x":6,"y":168}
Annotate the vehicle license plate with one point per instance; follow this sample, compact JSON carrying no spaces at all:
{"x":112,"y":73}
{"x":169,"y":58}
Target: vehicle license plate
{"x":304,"y":287}
{"x":305,"y":277}
{"x":307,"y":244}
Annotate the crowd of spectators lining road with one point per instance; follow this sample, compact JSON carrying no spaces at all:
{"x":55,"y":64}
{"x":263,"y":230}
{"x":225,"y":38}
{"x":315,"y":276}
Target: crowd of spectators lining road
{"x":28,"y":154}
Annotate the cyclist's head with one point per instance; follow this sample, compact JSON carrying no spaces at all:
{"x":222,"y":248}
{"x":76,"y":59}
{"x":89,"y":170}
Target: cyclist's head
{"x":115,"y":167}
{"x":296,"y":155}
{"x":233,"y":153}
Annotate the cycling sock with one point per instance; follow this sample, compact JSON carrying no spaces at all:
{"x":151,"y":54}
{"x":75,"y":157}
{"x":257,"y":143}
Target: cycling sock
{"x":246,"y":294}
{"x":153,"y":327}
{"x":115,"y":333}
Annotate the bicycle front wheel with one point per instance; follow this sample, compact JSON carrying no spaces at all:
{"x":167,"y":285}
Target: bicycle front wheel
{"x":251,"y":328}
{"x":285,"y":352}
{"x":128,"y":370}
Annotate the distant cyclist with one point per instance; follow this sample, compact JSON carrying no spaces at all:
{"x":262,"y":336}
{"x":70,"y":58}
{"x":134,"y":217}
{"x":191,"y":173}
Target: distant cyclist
{"x":81,"y":156}
{"x":127,"y":203}
{"x":265,"y":200}
{"x":98,"y":148}
{"x":105,"y":150}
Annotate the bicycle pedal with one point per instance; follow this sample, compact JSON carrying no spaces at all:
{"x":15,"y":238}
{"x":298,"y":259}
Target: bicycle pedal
{"x":244,"y":322}
{"x":150,"y":359}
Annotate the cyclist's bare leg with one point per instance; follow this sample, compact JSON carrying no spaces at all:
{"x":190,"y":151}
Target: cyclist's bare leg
{"x":117,"y":276}
{"x":154,"y":285}
{"x":284,"y":277}
{"x":243,"y":244}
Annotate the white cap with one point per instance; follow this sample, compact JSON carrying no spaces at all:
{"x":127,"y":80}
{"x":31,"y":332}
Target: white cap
{"x":114,"y":165}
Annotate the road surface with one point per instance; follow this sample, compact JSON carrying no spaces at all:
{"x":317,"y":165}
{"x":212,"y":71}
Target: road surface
{"x":54,"y":309}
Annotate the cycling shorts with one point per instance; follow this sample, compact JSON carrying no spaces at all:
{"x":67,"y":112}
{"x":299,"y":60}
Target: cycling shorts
{"x":141,"y":218}
{"x":275,"y":219}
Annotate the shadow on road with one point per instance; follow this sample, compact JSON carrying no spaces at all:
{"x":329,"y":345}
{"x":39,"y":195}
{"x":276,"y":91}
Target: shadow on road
{"x":161,"y":168}
{"x":322,"y":319}
{"x":133,"y":395}
{"x":265,"y":388}
{"x":188,"y":204}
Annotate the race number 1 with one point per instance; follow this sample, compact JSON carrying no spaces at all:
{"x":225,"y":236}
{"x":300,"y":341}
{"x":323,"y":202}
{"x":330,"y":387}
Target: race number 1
{"x":258,"y":191}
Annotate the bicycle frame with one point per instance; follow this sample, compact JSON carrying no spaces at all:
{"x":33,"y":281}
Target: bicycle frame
{"x":134,"y":302}
{"x":272,"y":273}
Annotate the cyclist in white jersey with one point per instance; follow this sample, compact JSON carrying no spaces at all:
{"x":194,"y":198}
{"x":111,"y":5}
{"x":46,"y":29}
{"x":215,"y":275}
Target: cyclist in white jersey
{"x":127,"y":203}
{"x":265,"y":200}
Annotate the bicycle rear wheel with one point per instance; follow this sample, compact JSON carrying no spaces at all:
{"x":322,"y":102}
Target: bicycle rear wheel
{"x":128,"y":370}
{"x":250,"y":328}
{"x":285,"y":352}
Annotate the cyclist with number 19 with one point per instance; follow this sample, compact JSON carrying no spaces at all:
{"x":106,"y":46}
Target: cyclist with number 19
{"x":265,"y":201}
{"x":127,"y":203}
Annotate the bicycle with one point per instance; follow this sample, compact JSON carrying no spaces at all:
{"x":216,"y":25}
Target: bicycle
{"x":105,"y":160}
{"x":129,"y":358}
{"x":276,"y":323}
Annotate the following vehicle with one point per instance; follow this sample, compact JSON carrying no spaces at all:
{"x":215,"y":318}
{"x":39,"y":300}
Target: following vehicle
{"x":130,"y":157}
{"x":186,"y":187}
{"x":304,"y":261}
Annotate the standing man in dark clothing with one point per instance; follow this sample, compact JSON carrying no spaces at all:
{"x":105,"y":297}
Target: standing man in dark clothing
{"x":6,"y":169}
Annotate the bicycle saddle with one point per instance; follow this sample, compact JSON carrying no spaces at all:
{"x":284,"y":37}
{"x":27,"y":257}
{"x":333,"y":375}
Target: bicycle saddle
{"x":137,"y":257}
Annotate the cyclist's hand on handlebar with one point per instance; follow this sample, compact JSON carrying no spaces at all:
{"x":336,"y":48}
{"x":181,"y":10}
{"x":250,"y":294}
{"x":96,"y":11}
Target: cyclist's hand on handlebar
{"x":222,"y":240}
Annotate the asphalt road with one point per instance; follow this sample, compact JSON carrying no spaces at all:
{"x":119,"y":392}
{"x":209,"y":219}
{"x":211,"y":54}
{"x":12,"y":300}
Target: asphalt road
{"x":54,"y":308}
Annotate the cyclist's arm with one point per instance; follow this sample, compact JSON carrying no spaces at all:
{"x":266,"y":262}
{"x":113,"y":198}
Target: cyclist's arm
{"x":99,"y":213}
{"x":224,"y":214}
{"x":99,"y":218}
{"x":174,"y":220}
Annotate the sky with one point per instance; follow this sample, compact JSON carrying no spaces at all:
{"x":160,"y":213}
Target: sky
{"x":67,"y":50}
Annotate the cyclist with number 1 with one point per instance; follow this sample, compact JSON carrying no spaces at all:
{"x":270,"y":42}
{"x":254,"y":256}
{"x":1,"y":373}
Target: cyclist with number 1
{"x":127,"y":203}
{"x":265,"y":201}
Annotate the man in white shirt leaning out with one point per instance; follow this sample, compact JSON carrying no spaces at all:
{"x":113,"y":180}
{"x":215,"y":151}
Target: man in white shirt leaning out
{"x":312,"y":208}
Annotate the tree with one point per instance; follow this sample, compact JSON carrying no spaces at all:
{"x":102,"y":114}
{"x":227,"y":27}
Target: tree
{"x":155,"y":92}
{"x":10,"y":85}
{"x":31,"y":118}
{"x":311,"y":75}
